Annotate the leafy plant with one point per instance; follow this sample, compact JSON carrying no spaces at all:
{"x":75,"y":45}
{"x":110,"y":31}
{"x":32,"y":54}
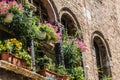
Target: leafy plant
{"x":71,"y":51}
{"x":72,"y":48}
{"x":61,"y":70}
{"x":1,"y":45}
{"x":106,"y":78}
{"x":17,"y":19}
{"x":77,"y":74}
{"x":11,"y":45}
{"x":45,"y":63}
{"x":23,"y":54}
{"x":50,"y":33}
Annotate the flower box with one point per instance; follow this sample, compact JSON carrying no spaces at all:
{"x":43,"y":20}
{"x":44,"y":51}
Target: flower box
{"x":9,"y":57}
{"x":52,"y":75}
{"x":62,"y":77}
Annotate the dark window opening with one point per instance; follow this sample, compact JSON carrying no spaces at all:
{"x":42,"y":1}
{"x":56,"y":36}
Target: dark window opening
{"x":102,"y":59}
{"x":69,"y":25}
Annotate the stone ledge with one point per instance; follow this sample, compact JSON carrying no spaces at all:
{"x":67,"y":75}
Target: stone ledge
{"x":18,"y":70}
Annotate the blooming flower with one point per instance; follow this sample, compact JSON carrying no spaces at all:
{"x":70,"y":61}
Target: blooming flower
{"x":4,"y":7}
{"x":81,"y":45}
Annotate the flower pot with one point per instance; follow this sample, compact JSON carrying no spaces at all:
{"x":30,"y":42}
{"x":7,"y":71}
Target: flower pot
{"x":16,"y":61}
{"x":9,"y":57}
{"x":6,"y":56}
{"x":48,"y":74}
{"x":66,"y":77}
{"x":60,"y":77}
{"x":52,"y":75}
{"x":23,"y":63}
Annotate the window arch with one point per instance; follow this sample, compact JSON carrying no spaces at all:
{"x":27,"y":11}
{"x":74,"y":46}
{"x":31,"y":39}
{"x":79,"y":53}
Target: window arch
{"x":46,"y":10}
{"x":69,"y":20}
{"x":103,"y":56}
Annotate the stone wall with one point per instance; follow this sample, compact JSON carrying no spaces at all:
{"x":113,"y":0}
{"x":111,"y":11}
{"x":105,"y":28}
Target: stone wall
{"x":9,"y":75}
{"x":97,"y":15}
{"x":10,"y":71}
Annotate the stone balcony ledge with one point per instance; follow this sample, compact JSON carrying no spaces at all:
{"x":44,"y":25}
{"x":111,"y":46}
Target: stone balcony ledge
{"x":5,"y":66}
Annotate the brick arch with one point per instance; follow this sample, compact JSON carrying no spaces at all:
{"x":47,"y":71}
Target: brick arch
{"x":67,"y":14}
{"x":98,"y":33}
{"x":54,"y":9}
{"x":102,"y":52}
{"x":70,"y":13}
{"x":47,"y":10}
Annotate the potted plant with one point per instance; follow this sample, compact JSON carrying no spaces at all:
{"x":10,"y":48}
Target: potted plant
{"x":77,"y":73}
{"x":62,"y":73}
{"x":72,"y":48}
{"x":25,"y":59}
{"x":45,"y":63}
{"x":12,"y":52}
{"x":15,"y":17}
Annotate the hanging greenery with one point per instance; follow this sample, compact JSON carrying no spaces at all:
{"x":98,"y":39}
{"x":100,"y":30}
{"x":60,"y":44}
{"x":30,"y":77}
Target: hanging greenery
{"x":72,"y":48}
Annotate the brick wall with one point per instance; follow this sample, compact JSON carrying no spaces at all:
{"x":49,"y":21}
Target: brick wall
{"x":9,"y":75}
{"x":102,"y":16}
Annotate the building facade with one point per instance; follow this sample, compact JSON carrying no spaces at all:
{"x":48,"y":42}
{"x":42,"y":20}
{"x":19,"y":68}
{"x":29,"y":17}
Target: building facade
{"x":98,"y":25}
{"x":99,"y":22}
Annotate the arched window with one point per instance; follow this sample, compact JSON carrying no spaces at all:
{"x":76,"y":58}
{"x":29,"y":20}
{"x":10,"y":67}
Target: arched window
{"x":103,"y":57}
{"x":71,"y":27}
{"x":45,"y":11}
{"x":69,"y":24}
{"x":47,"y":14}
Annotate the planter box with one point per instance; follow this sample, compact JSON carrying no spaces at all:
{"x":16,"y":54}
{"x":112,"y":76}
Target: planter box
{"x":6,"y":56}
{"x":52,"y":75}
{"x":63,"y":77}
{"x":9,"y":57}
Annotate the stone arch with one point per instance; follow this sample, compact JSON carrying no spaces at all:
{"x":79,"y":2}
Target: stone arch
{"x":67,"y":15}
{"x":102,"y":52}
{"x":47,"y":10}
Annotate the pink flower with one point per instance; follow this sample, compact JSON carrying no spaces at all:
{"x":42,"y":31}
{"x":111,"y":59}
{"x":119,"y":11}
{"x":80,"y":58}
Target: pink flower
{"x":59,"y":36}
{"x":70,"y":40}
{"x":12,"y":3}
{"x":56,"y":28}
{"x":3,"y":0}
{"x":21,"y":6}
{"x":49,"y":24}
{"x":81,"y":45}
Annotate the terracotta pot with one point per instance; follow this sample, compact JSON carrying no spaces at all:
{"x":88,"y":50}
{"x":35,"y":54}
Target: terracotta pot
{"x":46,"y":72}
{"x":53,"y":75}
{"x":23,"y":63}
{"x":16,"y":61}
{"x":13,"y":59}
{"x":63,"y":77}
{"x":6,"y":56}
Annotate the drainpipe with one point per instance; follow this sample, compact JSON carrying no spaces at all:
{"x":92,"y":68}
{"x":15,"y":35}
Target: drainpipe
{"x":59,"y":46}
{"x":61,"y":51}
{"x":85,"y":66}
{"x":32,"y":48}
{"x":33,"y":55}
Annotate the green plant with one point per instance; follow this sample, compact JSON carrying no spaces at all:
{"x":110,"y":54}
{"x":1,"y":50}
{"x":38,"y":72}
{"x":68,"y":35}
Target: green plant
{"x":71,"y":51}
{"x":45,"y":63}
{"x":23,"y":54}
{"x":50,"y":33}
{"x":72,"y":48}
{"x":106,"y":78}
{"x":1,"y":45}
{"x":17,"y":19}
{"x":77,"y":74}
{"x":12,"y":45}
{"x":61,"y":70}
